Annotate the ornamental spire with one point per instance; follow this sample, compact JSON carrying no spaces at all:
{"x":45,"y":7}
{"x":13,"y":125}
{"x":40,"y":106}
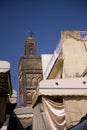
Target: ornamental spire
{"x":30,"y":33}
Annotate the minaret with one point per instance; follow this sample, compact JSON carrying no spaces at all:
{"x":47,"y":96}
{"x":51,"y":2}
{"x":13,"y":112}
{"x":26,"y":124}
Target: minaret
{"x":30,"y":71}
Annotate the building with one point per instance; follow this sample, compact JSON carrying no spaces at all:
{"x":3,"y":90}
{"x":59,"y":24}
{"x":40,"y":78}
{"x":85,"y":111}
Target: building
{"x":59,"y":101}
{"x":30,"y":72}
{"x":72,"y":47}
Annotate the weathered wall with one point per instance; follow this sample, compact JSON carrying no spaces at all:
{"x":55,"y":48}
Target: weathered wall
{"x":74,"y":53}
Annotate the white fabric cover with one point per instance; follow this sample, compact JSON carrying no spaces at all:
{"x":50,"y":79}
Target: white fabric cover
{"x":13,"y":97}
{"x":49,"y":115}
{"x":4,"y":66}
{"x":54,"y":113}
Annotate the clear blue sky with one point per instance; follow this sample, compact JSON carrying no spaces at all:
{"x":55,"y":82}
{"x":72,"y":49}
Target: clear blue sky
{"x":46,"y":18}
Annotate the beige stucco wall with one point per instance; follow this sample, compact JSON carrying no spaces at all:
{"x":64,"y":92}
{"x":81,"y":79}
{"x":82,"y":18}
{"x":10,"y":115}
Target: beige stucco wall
{"x":74,"y":53}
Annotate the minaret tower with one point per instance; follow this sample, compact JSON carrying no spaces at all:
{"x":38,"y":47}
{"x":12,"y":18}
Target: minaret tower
{"x":30,"y":71}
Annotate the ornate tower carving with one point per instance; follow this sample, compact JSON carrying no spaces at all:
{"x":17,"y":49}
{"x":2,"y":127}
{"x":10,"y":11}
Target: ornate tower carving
{"x":30,"y":72}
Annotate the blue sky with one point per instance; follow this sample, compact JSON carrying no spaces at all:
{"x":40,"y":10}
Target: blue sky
{"x":46,"y":18}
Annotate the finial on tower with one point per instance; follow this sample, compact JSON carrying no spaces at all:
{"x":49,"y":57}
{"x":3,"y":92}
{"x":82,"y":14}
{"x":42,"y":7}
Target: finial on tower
{"x":30,"y":33}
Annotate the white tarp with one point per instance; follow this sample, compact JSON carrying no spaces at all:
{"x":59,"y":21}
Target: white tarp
{"x":55,"y":114}
{"x":74,"y":93}
{"x":4,"y":66}
{"x":62,"y":87}
{"x":49,"y":115}
{"x":13,"y":97}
